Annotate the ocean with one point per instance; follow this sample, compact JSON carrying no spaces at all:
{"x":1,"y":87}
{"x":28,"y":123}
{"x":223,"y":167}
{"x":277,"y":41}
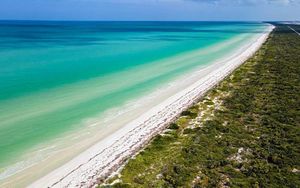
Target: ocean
{"x":58,"y":78}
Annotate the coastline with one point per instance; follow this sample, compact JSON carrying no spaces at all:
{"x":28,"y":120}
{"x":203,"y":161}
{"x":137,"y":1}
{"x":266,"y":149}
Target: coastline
{"x":47,"y":157}
{"x":108,"y":155}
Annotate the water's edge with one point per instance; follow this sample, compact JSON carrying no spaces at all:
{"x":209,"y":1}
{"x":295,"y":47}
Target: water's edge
{"x":108,"y":155}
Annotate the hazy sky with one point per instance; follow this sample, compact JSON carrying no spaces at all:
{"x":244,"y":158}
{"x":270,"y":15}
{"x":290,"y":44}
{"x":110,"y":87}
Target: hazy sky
{"x":150,"y":9}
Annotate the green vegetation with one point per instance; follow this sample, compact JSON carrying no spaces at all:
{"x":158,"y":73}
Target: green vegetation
{"x":244,"y":133}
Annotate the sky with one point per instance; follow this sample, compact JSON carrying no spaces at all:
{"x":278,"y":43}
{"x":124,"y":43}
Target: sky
{"x":154,"y":10}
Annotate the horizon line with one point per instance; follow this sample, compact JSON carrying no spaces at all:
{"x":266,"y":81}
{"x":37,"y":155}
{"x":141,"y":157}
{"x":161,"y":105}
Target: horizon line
{"x":92,"y":20}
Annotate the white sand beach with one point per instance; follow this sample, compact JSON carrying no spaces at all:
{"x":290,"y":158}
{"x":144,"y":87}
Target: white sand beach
{"x":108,"y":155}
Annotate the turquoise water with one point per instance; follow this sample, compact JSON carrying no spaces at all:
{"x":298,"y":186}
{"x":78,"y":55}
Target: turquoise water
{"x":54,"y":75}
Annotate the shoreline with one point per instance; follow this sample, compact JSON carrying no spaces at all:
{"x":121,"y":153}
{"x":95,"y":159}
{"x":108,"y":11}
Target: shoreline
{"x":108,"y":155}
{"x":49,"y":156}
{"x":52,"y":155}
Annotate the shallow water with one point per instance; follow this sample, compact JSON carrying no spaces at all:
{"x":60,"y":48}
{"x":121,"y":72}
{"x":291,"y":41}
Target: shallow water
{"x":56,"y":75}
